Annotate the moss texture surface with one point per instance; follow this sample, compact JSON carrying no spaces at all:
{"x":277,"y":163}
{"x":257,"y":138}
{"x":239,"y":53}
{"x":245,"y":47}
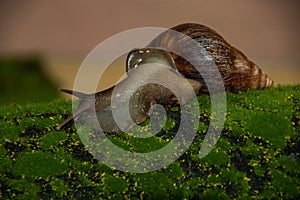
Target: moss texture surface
{"x":257,"y":155}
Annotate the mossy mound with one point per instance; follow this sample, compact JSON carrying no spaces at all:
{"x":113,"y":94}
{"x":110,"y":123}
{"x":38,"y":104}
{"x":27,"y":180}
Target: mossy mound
{"x":22,"y":81}
{"x":257,"y":155}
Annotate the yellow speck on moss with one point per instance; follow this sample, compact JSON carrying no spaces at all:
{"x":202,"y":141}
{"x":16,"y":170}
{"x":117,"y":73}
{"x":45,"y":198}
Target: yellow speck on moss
{"x":246,"y":179}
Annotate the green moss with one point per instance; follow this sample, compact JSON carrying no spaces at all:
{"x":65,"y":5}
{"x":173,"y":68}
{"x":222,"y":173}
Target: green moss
{"x":217,"y":157}
{"x":114,"y":184}
{"x":257,"y":155}
{"x":285,"y":184}
{"x":214,"y":194}
{"x":52,"y":139}
{"x":24,"y":189}
{"x":273,"y":125}
{"x":38,"y":164}
{"x":59,"y":187}
{"x":5,"y":165}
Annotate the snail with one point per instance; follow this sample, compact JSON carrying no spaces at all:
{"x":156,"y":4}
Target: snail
{"x":154,"y":63}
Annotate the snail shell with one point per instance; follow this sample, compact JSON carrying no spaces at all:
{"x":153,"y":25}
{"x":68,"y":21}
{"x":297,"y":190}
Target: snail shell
{"x":237,"y":71}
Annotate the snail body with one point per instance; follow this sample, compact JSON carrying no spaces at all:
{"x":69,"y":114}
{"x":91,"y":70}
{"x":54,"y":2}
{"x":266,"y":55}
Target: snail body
{"x":129,"y":99}
{"x":153,"y":63}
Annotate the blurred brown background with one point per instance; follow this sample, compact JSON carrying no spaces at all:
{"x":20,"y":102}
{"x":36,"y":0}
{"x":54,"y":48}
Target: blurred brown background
{"x":64,"y":32}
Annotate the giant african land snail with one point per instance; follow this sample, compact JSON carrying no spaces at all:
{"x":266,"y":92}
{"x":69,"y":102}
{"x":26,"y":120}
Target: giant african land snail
{"x":237,"y":72}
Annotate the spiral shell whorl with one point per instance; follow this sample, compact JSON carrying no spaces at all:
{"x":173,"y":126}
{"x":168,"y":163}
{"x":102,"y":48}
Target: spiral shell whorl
{"x":237,"y":71}
{"x":247,"y":75}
